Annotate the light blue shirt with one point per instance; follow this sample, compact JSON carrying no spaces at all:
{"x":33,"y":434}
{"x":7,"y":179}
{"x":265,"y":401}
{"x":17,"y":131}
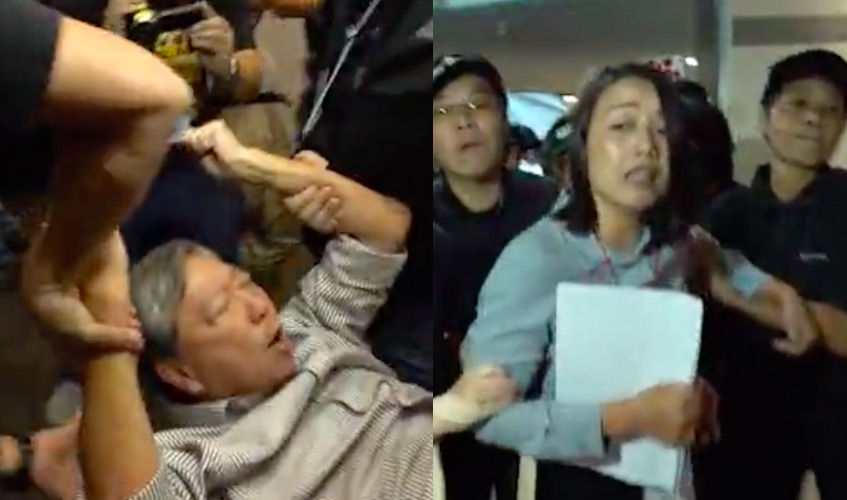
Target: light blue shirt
{"x":515,"y":327}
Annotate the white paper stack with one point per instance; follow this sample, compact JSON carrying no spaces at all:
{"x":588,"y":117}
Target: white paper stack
{"x":613,"y":342}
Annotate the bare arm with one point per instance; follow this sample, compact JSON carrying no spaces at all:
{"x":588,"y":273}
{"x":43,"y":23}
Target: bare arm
{"x":119,"y":455}
{"x":832,"y":325}
{"x":764,"y":306}
{"x":114,"y":105}
{"x":378,"y":221}
{"x":368,"y":216}
{"x":247,"y":81}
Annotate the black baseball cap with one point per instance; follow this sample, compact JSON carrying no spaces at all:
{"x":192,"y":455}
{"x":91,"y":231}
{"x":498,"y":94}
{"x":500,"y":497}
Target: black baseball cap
{"x":447,"y":69}
{"x":558,"y":141}
{"x":816,"y":63}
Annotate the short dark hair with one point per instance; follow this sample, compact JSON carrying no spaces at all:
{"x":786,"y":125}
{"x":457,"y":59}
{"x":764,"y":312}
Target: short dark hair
{"x":670,"y":218}
{"x":689,"y":90}
{"x":709,"y":138}
{"x":556,"y":146}
{"x":817,"y":63}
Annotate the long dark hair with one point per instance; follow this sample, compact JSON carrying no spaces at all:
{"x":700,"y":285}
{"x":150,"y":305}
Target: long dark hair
{"x":670,"y":218}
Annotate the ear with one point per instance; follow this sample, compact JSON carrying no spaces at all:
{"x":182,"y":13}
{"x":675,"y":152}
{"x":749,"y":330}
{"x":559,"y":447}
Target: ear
{"x":176,"y":375}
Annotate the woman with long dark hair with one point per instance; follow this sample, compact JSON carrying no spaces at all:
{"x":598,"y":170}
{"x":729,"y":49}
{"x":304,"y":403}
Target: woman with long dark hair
{"x":628,"y":222}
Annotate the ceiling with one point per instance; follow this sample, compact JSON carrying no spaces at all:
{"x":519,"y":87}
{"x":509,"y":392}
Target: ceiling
{"x":551,"y":44}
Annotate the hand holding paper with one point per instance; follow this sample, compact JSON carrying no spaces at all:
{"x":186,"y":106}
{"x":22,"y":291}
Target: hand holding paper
{"x":640,"y":347}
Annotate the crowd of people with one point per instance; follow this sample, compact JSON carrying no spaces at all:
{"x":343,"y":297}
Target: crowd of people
{"x":127,"y":199}
{"x":192,"y":381}
{"x":639,"y":191}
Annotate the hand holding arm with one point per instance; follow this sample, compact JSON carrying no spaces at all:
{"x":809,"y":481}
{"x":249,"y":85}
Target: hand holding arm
{"x":376,"y":220}
{"x":736,"y":283}
{"x":477,"y":395}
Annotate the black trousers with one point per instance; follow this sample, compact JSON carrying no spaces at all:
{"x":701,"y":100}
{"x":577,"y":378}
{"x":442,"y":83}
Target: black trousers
{"x":778,"y":420}
{"x":473,"y":470}
{"x":567,"y":482}
{"x":768,"y":453}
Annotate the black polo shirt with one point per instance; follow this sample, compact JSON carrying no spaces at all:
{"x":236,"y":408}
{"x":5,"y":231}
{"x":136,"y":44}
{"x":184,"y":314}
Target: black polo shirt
{"x":466,"y":246}
{"x":802,"y":242}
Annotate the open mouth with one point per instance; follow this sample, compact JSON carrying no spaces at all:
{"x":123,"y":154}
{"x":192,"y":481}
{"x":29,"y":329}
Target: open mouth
{"x":641,"y":175}
{"x":277,"y":338}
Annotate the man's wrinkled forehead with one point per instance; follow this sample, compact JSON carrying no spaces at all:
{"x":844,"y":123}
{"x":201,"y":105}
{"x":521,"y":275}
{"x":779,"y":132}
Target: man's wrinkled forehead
{"x":206,"y":278}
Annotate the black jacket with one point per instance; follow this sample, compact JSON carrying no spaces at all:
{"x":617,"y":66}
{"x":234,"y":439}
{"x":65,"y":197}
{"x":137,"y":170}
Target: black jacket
{"x":803,"y":243}
{"x":466,"y":246}
{"x":374,"y":129}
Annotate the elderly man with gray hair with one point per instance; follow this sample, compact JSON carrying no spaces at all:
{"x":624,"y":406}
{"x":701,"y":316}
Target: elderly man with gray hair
{"x":248,"y":403}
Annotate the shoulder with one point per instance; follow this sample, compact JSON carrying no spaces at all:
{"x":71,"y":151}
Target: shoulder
{"x":534,"y":193}
{"x":727,"y":210}
{"x":836,"y":184}
{"x":541,"y":250}
{"x":534,"y":184}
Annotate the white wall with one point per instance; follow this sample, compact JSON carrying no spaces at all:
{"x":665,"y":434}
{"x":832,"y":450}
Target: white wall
{"x":756,"y":8}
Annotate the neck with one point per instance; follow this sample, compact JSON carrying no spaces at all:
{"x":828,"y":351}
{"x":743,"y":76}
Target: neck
{"x":477,"y":195}
{"x":617,"y":229}
{"x":788,"y":181}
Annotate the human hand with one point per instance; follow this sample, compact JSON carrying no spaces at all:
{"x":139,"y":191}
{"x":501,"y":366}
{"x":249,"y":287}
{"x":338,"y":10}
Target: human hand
{"x":317,"y":208}
{"x":64,"y":307}
{"x":477,"y":395}
{"x":801,"y":332}
{"x":55,"y":460}
{"x":214,"y":40}
{"x":676,"y":413}
{"x":491,"y":389}
{"x":220,"y":150}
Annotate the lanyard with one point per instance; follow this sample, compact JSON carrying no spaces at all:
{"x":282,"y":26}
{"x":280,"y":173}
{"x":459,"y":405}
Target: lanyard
{"x":327,"y":80}
{"x":607,"y":266}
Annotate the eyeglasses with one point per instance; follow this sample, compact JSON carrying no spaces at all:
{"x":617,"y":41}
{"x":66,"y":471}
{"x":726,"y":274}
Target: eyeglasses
{"x":474,"y":106}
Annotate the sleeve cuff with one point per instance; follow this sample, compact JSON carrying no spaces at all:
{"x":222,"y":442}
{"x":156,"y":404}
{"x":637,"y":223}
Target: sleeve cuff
{"x":582,"y":430}
{"x":381,"y":265}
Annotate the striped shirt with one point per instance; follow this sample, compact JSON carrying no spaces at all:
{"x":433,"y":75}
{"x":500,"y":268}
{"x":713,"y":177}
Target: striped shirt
{"x":344,"y":428}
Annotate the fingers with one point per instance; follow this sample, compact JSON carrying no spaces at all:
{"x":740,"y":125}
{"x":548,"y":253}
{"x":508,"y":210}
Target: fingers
{"x":70,"y":317}
{"x":202,"y":140}
{"x":316,"y":207}
{"x":213,"y":35}
{"x":708,"y":430}
{"x":208,"y":11}
{"x":312,"y":159}
{"x":790,"y":347}
{"x":113,"y":337}
{"x":212,"y":167}
{"x":212,"y":40}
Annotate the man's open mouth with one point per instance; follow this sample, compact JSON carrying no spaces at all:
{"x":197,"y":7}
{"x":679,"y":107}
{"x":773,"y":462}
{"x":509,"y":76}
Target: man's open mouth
{"x":277,"y":338}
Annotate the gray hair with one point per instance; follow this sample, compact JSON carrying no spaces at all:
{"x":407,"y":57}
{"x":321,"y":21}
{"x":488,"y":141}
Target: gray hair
{"x":157,"y":285}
